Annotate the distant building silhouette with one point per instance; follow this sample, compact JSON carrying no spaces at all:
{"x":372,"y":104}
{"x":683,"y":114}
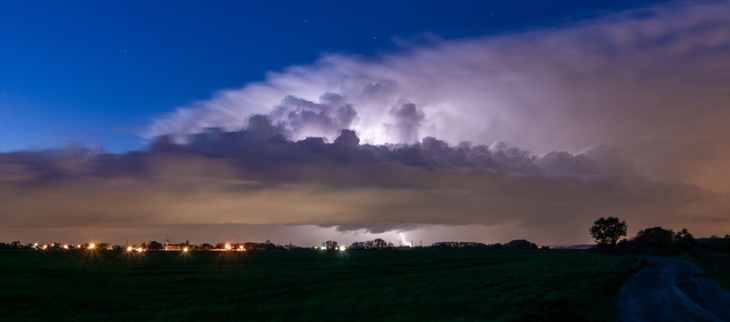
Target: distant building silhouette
{"x":169,"y":247}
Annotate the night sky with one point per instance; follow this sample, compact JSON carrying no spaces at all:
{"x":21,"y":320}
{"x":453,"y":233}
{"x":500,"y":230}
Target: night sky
{"x":466,"y":120}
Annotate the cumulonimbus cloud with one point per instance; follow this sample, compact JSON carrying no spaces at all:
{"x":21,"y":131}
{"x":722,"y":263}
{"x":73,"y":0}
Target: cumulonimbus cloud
{"x":423,"y":140}
{"x":654,"y":82}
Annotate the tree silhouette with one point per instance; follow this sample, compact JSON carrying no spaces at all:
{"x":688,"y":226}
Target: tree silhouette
{"x":521,"y":244}
{"x":656,"y":237}
{"x":608,"y":231}
{"x":684,"y":239}
{"x":684,"y":235}
{"x":330,"y":244}
{"x":154,"y":246}
{"x":379,"y":243}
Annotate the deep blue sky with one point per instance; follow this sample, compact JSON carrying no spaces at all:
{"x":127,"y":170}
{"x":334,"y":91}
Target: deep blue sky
{"x":97,"y":71}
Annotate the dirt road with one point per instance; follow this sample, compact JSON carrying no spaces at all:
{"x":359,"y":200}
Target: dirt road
{"x":672,"y":290}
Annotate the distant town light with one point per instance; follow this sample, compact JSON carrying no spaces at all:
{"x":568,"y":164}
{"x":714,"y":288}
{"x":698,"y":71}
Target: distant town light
{"x":129,"y":249}
{"x":228,"y":246}
{"x":92,"y":246}
{"x":65,"y":246}
{"x":342,"y":248}
{"x":185,"y":249}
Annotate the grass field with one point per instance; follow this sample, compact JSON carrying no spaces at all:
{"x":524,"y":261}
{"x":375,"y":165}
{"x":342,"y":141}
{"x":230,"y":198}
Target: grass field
{"x":716,"y":265}
{"x":308,"y":285}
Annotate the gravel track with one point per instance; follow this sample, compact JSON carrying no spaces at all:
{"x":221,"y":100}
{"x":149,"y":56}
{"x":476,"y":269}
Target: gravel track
{"x":672,"y":290}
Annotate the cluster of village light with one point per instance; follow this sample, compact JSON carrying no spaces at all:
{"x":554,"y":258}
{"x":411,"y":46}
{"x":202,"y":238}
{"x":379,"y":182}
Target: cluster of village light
{"x":341,"y":248}
{"x":64,"y":246}
{"x":186,"y":247}
{"x":227,"y":247}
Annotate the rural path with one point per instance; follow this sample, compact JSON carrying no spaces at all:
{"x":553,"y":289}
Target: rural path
{"x":672,"y":290}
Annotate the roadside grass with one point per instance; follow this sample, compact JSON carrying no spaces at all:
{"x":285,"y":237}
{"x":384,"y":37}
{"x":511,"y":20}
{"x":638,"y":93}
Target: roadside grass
{"x":716,"y":265}
{"x":308,"y":285}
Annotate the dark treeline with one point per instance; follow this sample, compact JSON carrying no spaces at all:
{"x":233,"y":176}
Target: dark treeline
{"x":372,"y":244}
{"x":652,"y":241}
{"x":453,"y":244}
{"x":518,"y":244}
{"x":662,"y":241}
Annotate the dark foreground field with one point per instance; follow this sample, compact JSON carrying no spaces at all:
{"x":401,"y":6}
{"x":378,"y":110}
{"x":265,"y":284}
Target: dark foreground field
{"x":387,"y":285}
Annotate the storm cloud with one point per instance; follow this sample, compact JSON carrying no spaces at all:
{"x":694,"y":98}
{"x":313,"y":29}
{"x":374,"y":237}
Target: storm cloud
{"x":542,"y":132}
{"x":257,"y":177}
{"x":654,"y":82}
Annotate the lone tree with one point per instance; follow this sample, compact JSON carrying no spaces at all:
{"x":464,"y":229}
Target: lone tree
{"x":379,"y":243}
{"x":607,"y":231}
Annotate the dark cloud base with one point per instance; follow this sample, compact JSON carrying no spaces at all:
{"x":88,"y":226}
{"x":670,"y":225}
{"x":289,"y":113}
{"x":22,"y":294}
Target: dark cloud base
{"x":256,"y":176}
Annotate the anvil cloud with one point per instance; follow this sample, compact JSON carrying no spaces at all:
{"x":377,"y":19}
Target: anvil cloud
{"x":626,"y":115}
{"x":654,"y":82}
